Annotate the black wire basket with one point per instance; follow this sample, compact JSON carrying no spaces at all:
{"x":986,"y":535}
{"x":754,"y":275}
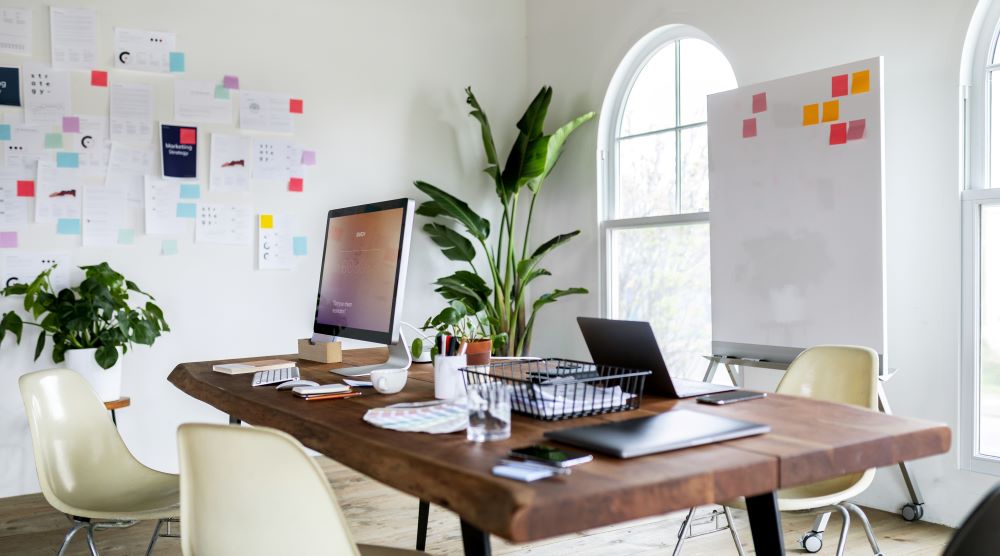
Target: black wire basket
{"x":555,"y":389}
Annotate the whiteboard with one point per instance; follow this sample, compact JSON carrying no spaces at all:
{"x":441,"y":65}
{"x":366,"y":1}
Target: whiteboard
{"x":797,"y":213}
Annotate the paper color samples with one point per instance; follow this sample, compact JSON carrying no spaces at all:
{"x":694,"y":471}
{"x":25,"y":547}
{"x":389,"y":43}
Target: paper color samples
{"x":25,"y":188}
{"x":68,"y":226}
{"x":749,"y":128}
{"x":299,"y":246}
{"x":810,"y":114}
{"x":295,"y":184}
{"x":839,"y":86}
{"x":838,"y":133}
{"x":168,"y":247}
{"x":759,"y":102}
{"x":231,"y":82}
{"x":71,"y":124}
{"x":855,"y":129}
{"x":8,"y":240}
{"x":860,"y":82}
{"x":98,"y":78}
{"x":176,"y":62}
{"x":266,"y":221}
{"x":831,"y":110}
{"x":295,"y":105}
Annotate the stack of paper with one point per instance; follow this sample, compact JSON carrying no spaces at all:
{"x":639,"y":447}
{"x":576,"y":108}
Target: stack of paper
{"x":563,"y":399}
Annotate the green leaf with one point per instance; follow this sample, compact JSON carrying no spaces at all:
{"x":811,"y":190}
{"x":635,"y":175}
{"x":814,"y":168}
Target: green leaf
{"x":527,"y":156}
{"x":58,"y":350}
{"x":484,"y":124}
{"x":554,"y":296}
{"x":430,"y":209}
{"x":454,"y":245}
{"x":12,"y":322}
{"x":554,"y":148}
{"x":453,"y":207}
{"x":143,"y":333}
{"x":524,"y":267}
{"x":466,"y":287}
{"x":106,"y":356}
{"x":15,"y":289}
{"x":40,"y":345}
{"x":417,"y":347}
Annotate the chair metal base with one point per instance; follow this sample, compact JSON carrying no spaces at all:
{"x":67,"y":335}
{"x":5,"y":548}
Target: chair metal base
{"x":690,"y":520}
{"x":91,"y":526}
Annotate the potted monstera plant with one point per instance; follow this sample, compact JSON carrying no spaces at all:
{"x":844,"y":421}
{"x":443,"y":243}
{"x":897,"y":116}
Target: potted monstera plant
{"x":90,"y":326}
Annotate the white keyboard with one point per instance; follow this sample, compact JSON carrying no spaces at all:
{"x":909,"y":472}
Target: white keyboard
{"x":274,"y":376}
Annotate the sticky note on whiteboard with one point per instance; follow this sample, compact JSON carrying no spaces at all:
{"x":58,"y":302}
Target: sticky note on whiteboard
{"x":860,"y":82}
{"x":831,"y":110}
{"x":749,"y":128}
{"x":838,"y":85}
{"x":759,"y":102}
{"x":810,"y":114}
{"x":838,"y":133}
{"x":855,"y":129}
{"x":266,"y":221}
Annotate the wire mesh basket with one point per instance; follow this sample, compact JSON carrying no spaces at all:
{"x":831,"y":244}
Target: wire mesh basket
{"x":554,"y":389}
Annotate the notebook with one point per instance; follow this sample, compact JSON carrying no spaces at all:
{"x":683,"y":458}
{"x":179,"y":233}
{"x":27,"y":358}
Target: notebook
{"x":252,"y":366}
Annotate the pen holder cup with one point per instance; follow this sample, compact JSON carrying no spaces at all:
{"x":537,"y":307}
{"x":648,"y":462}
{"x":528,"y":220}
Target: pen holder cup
{"x":448,"y":381}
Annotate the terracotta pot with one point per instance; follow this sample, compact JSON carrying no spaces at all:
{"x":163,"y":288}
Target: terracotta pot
{"x":478,"y":352}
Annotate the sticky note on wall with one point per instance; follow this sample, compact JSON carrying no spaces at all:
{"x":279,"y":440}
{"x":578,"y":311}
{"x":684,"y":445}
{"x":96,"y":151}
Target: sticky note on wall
{"x":266,"y":221}
{"x":855,"y":129}
{"x":5,"y":132}
{"x":759,"y":102}
{"x":25,"y":188}
{"x":838,"y":85}
{"x":168,"y":247}
{"x":68,"y":226}
{"x":126,"y":236}
{"x":8,"y":240}
{"x":810,"y":114}
{"x":67,"y":160}
{"x":176,"y":62}
{"x":71,"y":124}
{"x":749,"y":128}
{"x":53,"y":140}
{"x":99,"y":78}
{"x":299,"y":246}
{"x":831,"y":110}
{"x":860,"y":82}
{"x":190,"y":191}
{"x":187,"y":210}
{"x":838,"y":133}
{"x":231,"y":82}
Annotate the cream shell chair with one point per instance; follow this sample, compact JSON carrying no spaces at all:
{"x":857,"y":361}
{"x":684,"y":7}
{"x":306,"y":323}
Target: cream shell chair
{"x":255,"y":491}
{"x":841,"y":374}
{"x":84,"y":469}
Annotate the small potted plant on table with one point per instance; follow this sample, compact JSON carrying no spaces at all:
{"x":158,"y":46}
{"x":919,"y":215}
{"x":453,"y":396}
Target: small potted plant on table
{"x":467,"y":327}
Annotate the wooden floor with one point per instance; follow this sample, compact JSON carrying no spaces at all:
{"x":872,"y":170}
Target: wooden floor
{"x":380,"y":515}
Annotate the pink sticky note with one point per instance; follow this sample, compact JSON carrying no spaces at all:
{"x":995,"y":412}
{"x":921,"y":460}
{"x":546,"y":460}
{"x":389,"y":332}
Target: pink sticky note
{"x":309,"y":158}
{"x":838,"y":85}
{"x":838,"y":133}
{"x":855,"y":129}
{"x":25,"y":188}
{"x":749,"y":128}
{"x":295,"y":184}
{"x":759,"y":102}
{"x":71,"y":124}
{"x":231,"y":82}
{"x":99,"y":78}
{"x":295,"y":105}
{"x":8,"y":239}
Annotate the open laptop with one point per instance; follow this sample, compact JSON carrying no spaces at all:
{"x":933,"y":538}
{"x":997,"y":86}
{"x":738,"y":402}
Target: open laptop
{"x":632,"y":345}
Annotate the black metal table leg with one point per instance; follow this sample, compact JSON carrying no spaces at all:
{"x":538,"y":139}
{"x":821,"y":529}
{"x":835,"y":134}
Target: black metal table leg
{"x":474,"y":541}
{"x":765,"y":524}
{"x":234,"y":420}
{"x":423,"y":513}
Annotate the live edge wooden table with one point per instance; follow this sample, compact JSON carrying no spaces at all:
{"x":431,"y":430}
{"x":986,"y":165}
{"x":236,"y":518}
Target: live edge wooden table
{"x":809,"y":441}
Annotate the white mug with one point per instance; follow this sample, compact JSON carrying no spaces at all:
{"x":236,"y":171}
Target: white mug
{"x":388,"y":381}
{"x":448,"y":381}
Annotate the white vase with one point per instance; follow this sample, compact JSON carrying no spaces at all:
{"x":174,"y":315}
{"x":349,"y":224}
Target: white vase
{"x":106,"y":382}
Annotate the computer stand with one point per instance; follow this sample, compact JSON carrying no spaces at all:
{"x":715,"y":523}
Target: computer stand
{"x":399,"y":358}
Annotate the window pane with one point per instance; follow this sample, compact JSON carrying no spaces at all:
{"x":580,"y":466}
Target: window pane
{"x":994,"y":129}
{"x":650,"y":104}
{"x":647,"y":178}
{"x":694,"y":169}
{"x":704,"y":70}
{"x":989,"y":346}
{"x":661,"y":275}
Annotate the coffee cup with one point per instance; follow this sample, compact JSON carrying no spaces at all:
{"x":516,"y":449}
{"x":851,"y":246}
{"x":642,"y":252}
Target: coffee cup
{"x":388,"y":381}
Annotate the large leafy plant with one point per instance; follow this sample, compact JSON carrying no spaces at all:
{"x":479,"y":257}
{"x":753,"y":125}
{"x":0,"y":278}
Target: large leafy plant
{"x":95,"y":314}
{"x":499,"y":297}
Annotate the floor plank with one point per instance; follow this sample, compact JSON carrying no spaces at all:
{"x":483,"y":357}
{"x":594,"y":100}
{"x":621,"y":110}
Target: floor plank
{"x":380,"y":515}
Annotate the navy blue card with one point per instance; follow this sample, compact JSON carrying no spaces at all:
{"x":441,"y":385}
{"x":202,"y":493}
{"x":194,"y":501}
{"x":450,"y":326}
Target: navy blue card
{"x":10,"y":87}
{"x":180,"y":151}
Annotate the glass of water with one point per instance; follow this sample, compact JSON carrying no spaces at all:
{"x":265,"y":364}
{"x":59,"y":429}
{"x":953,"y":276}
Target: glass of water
{"x":489,"y":412}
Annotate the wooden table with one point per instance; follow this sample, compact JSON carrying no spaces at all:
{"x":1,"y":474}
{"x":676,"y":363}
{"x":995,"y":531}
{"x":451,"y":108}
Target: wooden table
{"x":810,"y":441}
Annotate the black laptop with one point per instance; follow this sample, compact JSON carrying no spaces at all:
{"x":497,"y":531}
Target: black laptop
{"x":632,"y":345}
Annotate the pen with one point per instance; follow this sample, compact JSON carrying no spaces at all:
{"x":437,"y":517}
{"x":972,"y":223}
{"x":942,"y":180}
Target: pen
{"x":332,"y":396}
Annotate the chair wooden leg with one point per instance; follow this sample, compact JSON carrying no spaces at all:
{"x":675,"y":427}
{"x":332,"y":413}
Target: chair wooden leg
{"x":77,"y":525}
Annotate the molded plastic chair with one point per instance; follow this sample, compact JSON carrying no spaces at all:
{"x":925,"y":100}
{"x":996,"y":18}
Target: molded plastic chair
{"x":841,"y":374}
{"x":84,"y":468}
{"x":979,"y":534}
{"x":254,"y":491}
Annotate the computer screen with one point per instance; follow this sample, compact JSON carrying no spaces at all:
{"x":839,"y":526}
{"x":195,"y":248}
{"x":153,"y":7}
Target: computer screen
{"x":364,"y":271}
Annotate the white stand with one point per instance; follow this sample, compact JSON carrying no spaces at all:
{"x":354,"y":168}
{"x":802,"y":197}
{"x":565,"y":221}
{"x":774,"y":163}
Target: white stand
{"x":399,"y":358}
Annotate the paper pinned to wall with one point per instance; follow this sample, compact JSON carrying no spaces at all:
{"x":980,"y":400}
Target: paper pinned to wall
{"x":57,"y":193}
{"x":263,"y":111}
{"x":196,"y":101}
{"x":91,"y":142}
{"x":229,"y":166}
{"x":74,"y":38}
{"x":131,"y":112}
{"x":225,"y":224}
{"x":103,"y":214}
{"x":127,"y":167}
{"x":179,"y":151}
{"x":10,"y":86}
{"x":161,"y":207}
{"x":13,"y":205}
{"x":15,"y":31}
{"x":46,"y":95}
{"x":140,"y":50}
{"x":275,"y":160}
{"x":25,"y":148}
{"x":25,"y":266}
{"x":274,"y":244}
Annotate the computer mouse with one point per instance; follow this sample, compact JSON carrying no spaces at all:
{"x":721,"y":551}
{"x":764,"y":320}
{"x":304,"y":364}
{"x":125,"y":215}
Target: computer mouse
{"x":293,"y":383}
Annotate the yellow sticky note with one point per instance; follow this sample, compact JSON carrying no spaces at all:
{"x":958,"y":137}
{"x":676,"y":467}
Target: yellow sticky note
{"x":860,"y":82}
{"x":810,"y":114}
{"x":266,"y":221}
{"x":831,"y":110}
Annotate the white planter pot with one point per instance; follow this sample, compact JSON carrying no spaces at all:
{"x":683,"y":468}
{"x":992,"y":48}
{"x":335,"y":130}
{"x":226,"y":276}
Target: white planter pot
{"x":106,"y":382}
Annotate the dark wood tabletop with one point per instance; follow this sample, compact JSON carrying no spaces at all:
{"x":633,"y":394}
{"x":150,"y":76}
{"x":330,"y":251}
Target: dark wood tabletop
{"x":810,"y":441}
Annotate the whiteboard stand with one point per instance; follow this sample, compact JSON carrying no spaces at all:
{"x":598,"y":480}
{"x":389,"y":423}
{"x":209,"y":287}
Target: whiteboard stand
{"x":912,"y":511}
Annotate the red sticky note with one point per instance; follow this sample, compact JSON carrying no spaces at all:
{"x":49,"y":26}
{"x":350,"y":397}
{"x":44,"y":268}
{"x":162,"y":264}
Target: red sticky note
{"x":295,"y":184}
{"x":189,"y":136}
{"x":838,"y":133}
{"x":25,"y":188}
{"x":839,"y":85}
{"x":295,"y":105}
{"x":855,"y":129}
{"x":749,"y":128}
{"x":99,"y":78}
{"x":759,"y":102}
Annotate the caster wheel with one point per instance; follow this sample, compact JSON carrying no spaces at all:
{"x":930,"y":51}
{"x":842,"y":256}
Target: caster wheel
{"x":912,"y":512}
{"x":812,"y":542}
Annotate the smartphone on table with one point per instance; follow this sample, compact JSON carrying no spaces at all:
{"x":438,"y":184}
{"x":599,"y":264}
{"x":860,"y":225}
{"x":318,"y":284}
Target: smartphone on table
{"x":550,"y":455}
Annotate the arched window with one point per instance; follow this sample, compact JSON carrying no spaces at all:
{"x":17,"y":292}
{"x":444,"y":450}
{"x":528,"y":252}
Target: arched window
{"x":654,"y":215}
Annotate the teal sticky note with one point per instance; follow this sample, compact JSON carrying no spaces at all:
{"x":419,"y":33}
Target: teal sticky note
{"x":4,"y":132}
{"x":168,"y":247}
{"x":67,"y":160}
{"x":68,"y":226}
{"x":186,"y":210}
{"x":53,"y":140}
{"x":299,"y":246}
{"x":126,"y":237}
{"x":221,"y":92}
{"x":176,"y":62}
{"x":190,"y":191}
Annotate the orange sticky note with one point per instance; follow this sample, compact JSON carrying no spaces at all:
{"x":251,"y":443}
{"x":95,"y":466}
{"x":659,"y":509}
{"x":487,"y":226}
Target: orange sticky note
{"x":810,"y":114}
{"x":831,"y":110}
{"x":295,"y":184}
{"x":295,"y":105}
{"x":838,"y":133}
{"x":266,"y":221}
{"x":860,"y":82}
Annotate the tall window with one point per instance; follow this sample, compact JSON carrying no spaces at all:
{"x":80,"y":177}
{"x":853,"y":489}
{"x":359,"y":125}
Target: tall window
{"x":980,"y":431}
{"x":655,"y":244}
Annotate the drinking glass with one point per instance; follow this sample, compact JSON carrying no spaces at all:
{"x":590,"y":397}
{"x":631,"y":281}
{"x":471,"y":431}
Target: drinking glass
{"x":489,"y":412}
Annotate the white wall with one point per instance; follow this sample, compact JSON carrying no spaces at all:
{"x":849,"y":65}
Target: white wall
{"x":384,"y":104}
{"x":575,"y":46}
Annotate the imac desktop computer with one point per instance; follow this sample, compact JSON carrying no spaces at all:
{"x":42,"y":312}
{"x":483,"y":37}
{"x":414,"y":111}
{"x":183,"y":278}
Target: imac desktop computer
{"x":362,"y":279}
